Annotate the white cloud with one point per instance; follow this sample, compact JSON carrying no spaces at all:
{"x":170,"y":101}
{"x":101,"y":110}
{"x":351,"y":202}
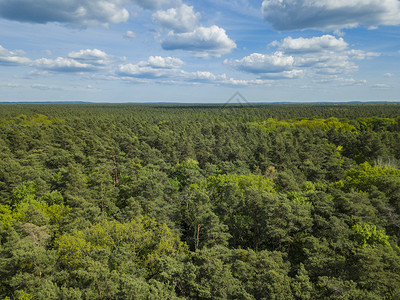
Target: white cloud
{"x":340,"y":81}
{"x":314,"y":57}
{"x":268,"y":66}
{"x":136,"y":71}
{"x":241,"y":82}
{"x":326,"y":54}
{"x":13,"y":58}
{"x":129,"y":34}
{"x":93,"y":57}
{"x":88,"y":60}
{"x":181,"y":19}
{"x":292,"y":74}
{"x":388,"y":75}
{"x":330,"y":14}
{"x":328,"y":63}
{"x":205,"y":76}
{"x":334,"y":65}
{"x":203,"y":42}
{"x":160,"y":62}
{"x":154,"y":67}
{"x":184,"y":33}
{"x":263,"y":63}
{"x":339,"y":32}
{"x":62,"y":64}
{"x":168,"y":70}
{"x":314,"y":44}
{"x":36,"y":73}
{"x":222,"y":79}
{"x":361,"y":55}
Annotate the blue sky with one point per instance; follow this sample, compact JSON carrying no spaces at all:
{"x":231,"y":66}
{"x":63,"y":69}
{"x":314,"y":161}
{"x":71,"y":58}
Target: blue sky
{"x":199,"y":51}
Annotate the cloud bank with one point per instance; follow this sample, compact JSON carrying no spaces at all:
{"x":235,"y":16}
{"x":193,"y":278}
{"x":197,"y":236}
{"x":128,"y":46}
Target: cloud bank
{"x":169,"y":70}
{"x":79,"y":13}
{"x":81,"y":61}
{"x":322,"y":56}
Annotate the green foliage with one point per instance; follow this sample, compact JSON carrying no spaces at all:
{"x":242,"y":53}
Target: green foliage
{"x":367,"y":235}
{"x":220,"y":184}
{"x":24,"y":193}
{"x":366,"y":176}
{"x":195,"y":202}
{"x":145,"y":239}
{"x":6,"y":217}
{"x":376,"y":123}
{"x":73,"y":249}
{"x":324,"y":124}
{"x":186,"y":173}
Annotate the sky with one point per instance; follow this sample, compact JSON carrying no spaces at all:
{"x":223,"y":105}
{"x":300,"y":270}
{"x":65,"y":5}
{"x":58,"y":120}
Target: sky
{"x":199,"y":51}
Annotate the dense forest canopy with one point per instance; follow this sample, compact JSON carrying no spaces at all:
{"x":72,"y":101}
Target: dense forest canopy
{"x":289,"y":201}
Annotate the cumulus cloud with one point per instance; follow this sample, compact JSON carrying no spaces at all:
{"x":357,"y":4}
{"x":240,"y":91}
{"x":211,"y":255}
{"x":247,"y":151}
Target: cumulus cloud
{"x":330,"y":14}
{"x":169,"y":70}
{"x":314,"y":44}
{"x":331,"y":64}
{"x":13,"y":58}
{"x":361,"y":55}
{"x":292,"y":74}
{"x":181,"y":19}
{"x":79,"y":61}
{"x":74,"y":12}
{"x":222,"y":79}
{"x":93,"y":57}
{"x":316,"y":56}
{"x":62,"y":64}
{"x":154,"y":67}
{"x":326,"y":54}
{"x":160,"y":62}
{"x":203,"y":41}
{"x":263,"y":63}
{"x":268,"y":66}
{"x":206,"y":76}
{"x":184,"y":33}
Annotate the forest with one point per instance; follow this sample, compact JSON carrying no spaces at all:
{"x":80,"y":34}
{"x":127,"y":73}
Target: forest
{"x":163,"y":201}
